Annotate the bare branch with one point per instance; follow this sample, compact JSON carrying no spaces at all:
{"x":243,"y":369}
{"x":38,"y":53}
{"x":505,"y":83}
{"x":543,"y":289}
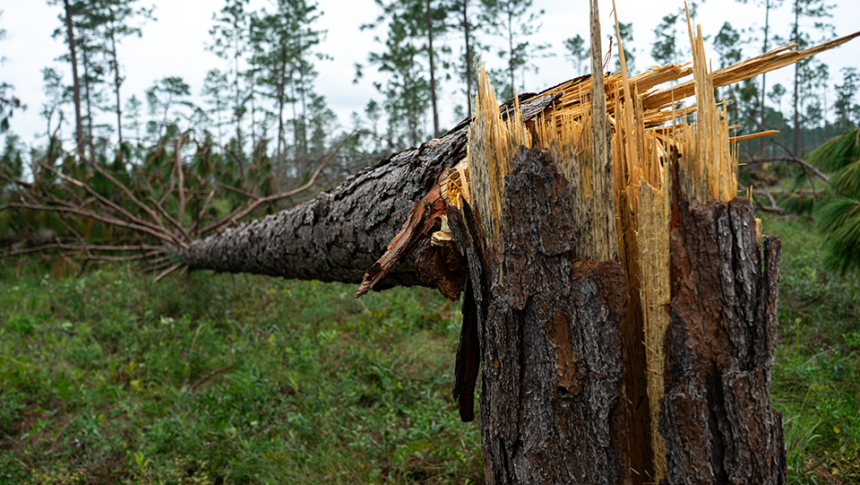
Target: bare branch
{"x":168,"y":271}
{"x":803,"y":163}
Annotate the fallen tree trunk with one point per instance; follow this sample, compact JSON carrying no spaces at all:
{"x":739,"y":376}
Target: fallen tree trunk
{"x":340,"y":234}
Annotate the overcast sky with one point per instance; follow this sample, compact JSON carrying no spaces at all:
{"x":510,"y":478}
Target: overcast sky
{"x":175,"y":45}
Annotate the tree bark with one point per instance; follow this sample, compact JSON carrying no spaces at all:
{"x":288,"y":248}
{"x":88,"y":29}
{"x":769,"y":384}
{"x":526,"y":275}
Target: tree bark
{"x":548,"y":330}
{"x":340,"y":234}
{"x":716,"y":416}
{"x":76,"y":83}
{"x":543,"y":328}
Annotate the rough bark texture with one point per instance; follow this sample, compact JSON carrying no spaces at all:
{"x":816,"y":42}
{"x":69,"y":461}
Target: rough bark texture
{"x":341,"y":233}
{"x":716,"y":415}
{"x":548,"y":331}
{"x":543,"y":328}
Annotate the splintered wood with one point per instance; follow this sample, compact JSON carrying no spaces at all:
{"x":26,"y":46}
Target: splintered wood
{"x":628,"y":135}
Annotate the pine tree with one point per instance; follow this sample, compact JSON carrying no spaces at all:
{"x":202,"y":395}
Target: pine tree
{"x":67,"y":32}
{"x":811,"y":9}
{"x":230,"y":34}
{"x":665,"y":50}
{"x":55,"y":97}
{"x":283,"y":48}
{"x":467,"y":21}
{"x":115,"y":20}
{"x":768,"y":5}
{"x":727,"y":46}
{"x":626,"y":34}
{"x":91,"y":45}
{"x":515,"y":21}
{"x":577,"y":53}
{"x":163,"y":98}
{"x":132,"y":115}
{"x":847,"y":109}
{"x":215,"y":92}
{"x":412,"y":26}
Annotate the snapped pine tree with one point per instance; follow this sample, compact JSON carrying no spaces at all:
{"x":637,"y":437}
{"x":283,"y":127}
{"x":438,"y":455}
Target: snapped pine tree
{"x":619,"y":298}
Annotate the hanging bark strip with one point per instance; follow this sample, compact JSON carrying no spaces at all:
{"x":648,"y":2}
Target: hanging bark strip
{"x":439,"y":266}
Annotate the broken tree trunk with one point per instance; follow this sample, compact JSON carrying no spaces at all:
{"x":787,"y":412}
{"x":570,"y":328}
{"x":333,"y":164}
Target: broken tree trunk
{"x":616,"y":301}
{"x":546,"y":329}
{"x":340,"y":234}
{"x":717,"y":417}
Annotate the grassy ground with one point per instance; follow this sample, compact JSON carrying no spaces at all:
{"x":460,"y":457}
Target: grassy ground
{"x":227,"y":379}
{"x":816,"y":379}
{"x":237,"y":379}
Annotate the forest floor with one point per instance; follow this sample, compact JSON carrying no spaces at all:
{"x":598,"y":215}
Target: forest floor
{"x":111,"y":378}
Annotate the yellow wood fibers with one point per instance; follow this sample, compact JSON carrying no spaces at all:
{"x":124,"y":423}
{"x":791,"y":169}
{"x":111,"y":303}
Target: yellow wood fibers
{"x":618,"y":142}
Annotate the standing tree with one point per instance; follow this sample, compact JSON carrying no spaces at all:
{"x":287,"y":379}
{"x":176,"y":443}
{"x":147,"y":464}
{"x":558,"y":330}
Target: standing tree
{"x":55,"y":93}
{"x":811,"y":9}
{"x":230,"y":34}
{"x":467,"y":22}
{"x":847,"y":109}
{"x":412,"y":26}
{"x":728,"y":48}
{"x":132,"y":114}
{"x":664,"y":50}
{"x":768,"y":5}
{"x":577,"y":53}
{"x":406,"y":89}
{"x":116,"y":20}
{"x":68,"y":33}
{"x":215,"y":90}
{"x":163,"y":98}
{"x":515,"y":21}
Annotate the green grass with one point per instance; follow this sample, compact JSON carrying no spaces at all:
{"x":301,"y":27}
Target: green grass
{"x":227,"y":379}
{"x":111,"y":378}
{"x":816,"y":379}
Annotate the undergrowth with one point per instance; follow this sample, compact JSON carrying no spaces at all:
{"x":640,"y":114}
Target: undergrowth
{"x":816,"y":378}
{"x":235,"y":379}
{"x":216,"y":379}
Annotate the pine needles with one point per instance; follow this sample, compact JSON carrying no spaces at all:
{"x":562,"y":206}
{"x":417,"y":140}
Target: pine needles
{"x":839,"y":218}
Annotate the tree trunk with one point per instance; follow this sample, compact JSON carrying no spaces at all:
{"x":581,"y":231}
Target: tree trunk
{"x":87,"y":88}
{"x":76,"y":86}
{"x":716,"y":417}
{"x":544,"y":328}
{"x":547,"y":328}
{"x":468,"y":59}
{"x":796,"y":98}
{"x":117,"y":82}
{"x":761,"y":143}
{"x":432,"y":69}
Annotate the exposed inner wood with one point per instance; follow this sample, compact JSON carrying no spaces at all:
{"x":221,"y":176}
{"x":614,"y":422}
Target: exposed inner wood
{"x":648,"y":141}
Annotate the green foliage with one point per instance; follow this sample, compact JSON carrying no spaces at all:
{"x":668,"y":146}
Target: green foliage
{"x":406,"y":62}
{"x":514,"y":21}
{"x":577,"y":53}
{"x":839,"y":217}
{"x":227,"y":379}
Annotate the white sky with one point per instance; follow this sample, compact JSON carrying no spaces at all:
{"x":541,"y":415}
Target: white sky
{"x":174,"y":45}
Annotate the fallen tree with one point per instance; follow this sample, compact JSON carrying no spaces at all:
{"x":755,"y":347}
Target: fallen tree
{"x":619,"y":300}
